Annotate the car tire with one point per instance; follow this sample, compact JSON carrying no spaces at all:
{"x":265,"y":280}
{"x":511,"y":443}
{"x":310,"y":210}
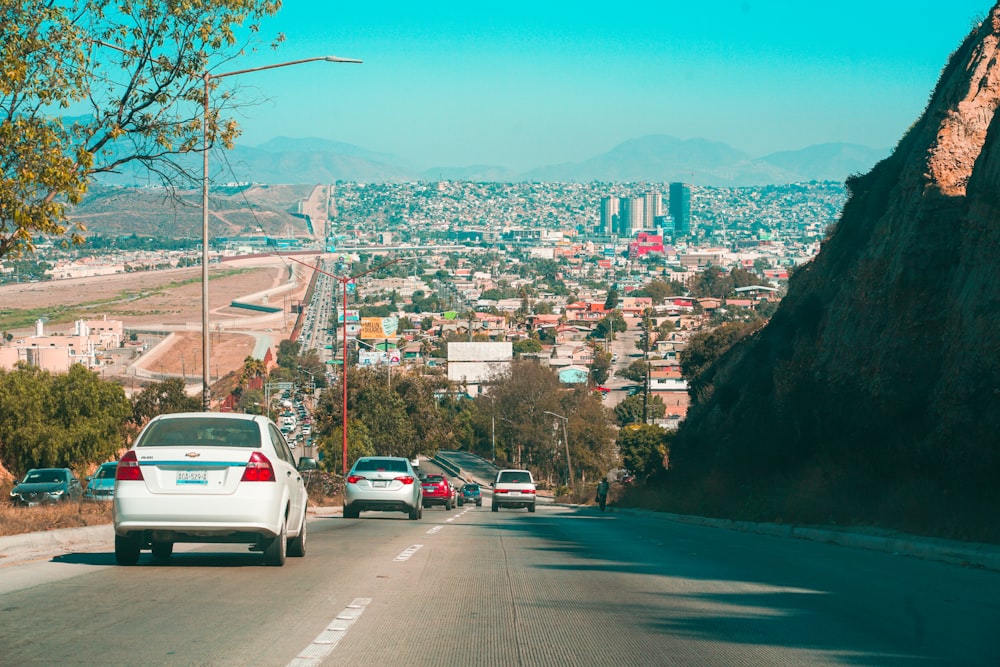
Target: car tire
{"x":126,"y":550}
{"x":162,"y":550}
{"x":447,"y":506}
{"x":297,"y":545}
{"x":351,"y":513}
{"x":414,"y":513}
{"x":277,"y":549}
{"x":531,"y":507}
{"x":479,"y":503}
{"x":495,"y":507}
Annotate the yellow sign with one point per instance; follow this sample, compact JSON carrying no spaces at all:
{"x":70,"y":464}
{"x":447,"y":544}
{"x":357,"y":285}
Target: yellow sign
{"x":382,"y":328}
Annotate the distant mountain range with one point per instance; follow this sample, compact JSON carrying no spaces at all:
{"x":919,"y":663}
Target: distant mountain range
{"x":655,"y":158}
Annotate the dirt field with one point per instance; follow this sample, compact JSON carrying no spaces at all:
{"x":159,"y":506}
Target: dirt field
{"x":172,"y":300}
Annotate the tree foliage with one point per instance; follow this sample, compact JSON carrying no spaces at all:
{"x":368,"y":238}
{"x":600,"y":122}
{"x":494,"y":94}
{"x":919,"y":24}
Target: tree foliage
{"x":518,"y":407}
{"x":632,"y":410}
{"x":162,"y":398}
{"x":65,"y":420}
{"x":702,"y":351}
{"x":644,"y":449}
{"x":131,"y":73}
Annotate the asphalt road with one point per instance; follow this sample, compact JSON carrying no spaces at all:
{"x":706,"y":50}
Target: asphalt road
{"x":562,"y":586}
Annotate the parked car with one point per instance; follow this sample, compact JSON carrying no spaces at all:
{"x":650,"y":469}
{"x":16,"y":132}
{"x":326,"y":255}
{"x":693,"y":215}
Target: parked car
{"x":210,"y":477}
{"x":470,"y":493}
{"x":101,"y":485}
{"x":382,"y":484}
{"x":438,"y":490}
{"x":46,"y":485}
{"x":514,"y":488}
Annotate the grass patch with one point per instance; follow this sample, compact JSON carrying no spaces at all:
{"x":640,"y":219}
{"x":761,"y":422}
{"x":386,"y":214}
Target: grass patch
{"x":20,"y":318}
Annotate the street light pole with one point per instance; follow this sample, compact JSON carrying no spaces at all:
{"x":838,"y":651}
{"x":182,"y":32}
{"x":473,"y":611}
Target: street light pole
{"x":206,"y":78}
{"x":569,"y":466}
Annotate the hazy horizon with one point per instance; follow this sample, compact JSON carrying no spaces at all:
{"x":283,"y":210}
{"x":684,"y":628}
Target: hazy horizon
{"x":531,"y":84}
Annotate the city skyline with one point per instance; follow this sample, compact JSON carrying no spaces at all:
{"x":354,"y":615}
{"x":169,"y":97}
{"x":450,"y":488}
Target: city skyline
{"x":454,"y":85}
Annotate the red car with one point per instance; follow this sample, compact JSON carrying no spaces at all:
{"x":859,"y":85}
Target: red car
{"x":439,"y":491}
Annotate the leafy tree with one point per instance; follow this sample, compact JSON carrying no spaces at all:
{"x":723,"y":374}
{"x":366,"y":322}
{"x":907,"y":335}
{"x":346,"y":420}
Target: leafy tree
{"x":702,"y":351}
{"x":631,"y":410}
{"x":252,"y":368}
{"x":162,"y":398}
{"x":635,"y":371}
{"x":67,"y":420}
{"x":288,"y":354}
{"x":133,"y":70}
{"x":612,"y":323}
{"x":528,"y":345}
{"x":543,"y":307}
{"x":658,"y":290}
{"x":600,"y":369}
{"x":611,"y":302}
{"x":644,"y":449}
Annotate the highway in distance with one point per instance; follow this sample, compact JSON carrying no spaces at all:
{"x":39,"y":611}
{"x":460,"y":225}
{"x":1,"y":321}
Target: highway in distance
{"x":562,"y":586}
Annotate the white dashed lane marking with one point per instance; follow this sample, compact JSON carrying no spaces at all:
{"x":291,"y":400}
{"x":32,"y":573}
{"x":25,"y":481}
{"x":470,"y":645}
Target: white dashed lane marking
{"x":320,"y":648}
{"x":407,"y":553}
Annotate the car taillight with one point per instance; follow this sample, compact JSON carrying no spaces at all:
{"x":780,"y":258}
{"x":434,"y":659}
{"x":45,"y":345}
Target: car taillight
{"x":500,"y":491}
{"x":258,"y":469}
{"x":354,"y":479}
{"x":527,"y":490}
{"x":128,"y":468}
{"x":405,"y":479}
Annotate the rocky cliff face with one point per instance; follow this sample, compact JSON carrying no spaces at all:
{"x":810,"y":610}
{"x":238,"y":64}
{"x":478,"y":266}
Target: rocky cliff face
{"x":880,"y":372}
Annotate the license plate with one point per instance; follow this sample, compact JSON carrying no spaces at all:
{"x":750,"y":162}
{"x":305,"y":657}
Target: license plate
{"x":192,"y":477}
{"x":379,"y":483}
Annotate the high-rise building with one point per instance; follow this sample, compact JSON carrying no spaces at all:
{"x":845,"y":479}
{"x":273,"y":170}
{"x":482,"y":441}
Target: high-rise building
{"x":609,"y":215}
{"x":680,"y":208}
{"x":651,"y":208}
{"x":631,"y":217}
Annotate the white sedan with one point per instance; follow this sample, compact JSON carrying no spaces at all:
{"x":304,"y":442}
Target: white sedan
{"x":210,"y":477}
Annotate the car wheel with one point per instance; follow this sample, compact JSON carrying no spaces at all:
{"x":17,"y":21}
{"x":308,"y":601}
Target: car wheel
{"x":162,"y":549}
{"x":495,"y":507}
{"x":531,"y":507}
{"x":126,"y":550}
{"x":277,"y":549}
{"x":479,"y":503}
{"x":351,"y":513}
{"x":414,"y":513}
{"x":447,"y":506}
{"x":297,"y":545}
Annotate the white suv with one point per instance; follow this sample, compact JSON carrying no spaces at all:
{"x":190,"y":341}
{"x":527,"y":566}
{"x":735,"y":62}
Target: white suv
{"x":514,"y":488}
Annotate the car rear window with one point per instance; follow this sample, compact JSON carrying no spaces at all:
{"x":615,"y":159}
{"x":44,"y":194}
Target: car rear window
{"x":45,"y":477}
{"x":205,"y":431}
{"x":389,"y":465}
{"x":514,"y":478}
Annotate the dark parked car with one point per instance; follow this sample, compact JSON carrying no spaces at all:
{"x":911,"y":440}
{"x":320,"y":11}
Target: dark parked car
{"x":101,"y":485}
{"x":46,"y":485}
{"x":471,"y":493}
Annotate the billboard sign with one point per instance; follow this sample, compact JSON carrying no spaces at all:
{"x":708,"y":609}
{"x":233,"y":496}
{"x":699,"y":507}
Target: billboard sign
{"x":383,"y":328}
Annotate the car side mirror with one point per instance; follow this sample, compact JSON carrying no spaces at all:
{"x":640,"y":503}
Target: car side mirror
{"x":306,"y":463}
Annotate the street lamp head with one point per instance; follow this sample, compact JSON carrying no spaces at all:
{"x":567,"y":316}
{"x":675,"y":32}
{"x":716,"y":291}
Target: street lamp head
{"x":336,"y":59}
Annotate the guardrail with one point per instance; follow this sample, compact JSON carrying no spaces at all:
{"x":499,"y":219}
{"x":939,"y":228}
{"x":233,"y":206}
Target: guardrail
{"x":448,"y":466}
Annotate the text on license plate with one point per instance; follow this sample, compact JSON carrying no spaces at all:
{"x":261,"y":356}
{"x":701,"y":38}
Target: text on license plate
{"x":192,"y":477}
{"x":379,"y":483}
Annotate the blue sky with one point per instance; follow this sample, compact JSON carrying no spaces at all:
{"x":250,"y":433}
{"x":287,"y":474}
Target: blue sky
{"x":524,"y":84}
